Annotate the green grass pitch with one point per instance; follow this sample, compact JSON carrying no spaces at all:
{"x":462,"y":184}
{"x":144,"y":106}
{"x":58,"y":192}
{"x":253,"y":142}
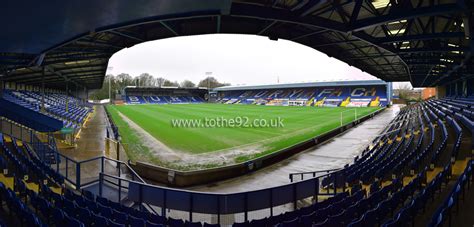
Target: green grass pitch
{"x":300,"y":124}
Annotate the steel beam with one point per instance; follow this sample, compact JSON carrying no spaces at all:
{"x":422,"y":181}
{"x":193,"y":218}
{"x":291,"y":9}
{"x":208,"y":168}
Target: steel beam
{"x":126,"y":36}
{"x":397,"y":39}
{"x":169,"y":28}
{"x":406,"y":15}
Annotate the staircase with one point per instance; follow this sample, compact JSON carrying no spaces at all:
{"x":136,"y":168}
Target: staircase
{"x":46,"y":151}
{"x":310,"y":102}
{"x":320,"y":102}
{"x":375,"y":103}
{"x":346,"y":102}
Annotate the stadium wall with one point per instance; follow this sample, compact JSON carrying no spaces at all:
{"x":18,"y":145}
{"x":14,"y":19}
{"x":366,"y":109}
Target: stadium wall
{"x":176,"y":178}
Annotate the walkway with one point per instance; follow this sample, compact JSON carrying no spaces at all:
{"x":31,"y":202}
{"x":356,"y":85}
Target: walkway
{"x":91,"y":141}
{"x":91,"y":144}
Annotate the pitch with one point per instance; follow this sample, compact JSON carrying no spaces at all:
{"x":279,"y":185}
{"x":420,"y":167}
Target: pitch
{"x":285,"y":126}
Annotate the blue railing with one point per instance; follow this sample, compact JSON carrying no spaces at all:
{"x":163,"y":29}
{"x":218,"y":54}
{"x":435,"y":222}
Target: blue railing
{"x":204,"y":203}
{"x":79,"y":175}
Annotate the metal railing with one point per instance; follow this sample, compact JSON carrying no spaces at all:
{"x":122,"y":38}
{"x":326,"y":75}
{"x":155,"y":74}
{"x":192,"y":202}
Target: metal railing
{"x":185,"y":204}
{"x":86,"y":172}
{"x":331,"y":179}
{"x":312,"y":174}
{"x":16,"y":130}
{"x":222,"y":208}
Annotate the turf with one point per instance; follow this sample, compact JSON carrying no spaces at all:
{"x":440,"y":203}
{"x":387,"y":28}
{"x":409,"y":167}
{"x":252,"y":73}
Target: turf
{"x":300,"y":124}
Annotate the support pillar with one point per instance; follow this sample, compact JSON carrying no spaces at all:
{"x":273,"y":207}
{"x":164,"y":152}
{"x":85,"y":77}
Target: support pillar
{"x":86,"y":94}
{"x":1,"y":86}
{"x":118,"y":149}
{"x":67,"y":97}
{"x":77,"y":91}
{"x":42,"y":91}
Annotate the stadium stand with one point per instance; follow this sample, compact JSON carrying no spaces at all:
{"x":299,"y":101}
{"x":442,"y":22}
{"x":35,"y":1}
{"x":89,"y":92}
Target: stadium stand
{"x":329,"y":94}
{"x":73,"y":114}
{"x":163,"y":95}
{"x":131,"y":99}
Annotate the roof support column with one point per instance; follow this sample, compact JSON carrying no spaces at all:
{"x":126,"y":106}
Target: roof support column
{"x":42,"y":90}
{"x":77,"y":96}
{"x":86,"y":95}
{"x":2,"y":85}
{"x":67,"y":96}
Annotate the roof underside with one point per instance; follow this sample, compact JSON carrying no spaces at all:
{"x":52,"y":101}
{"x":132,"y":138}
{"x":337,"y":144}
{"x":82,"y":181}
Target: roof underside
{"x":425,"y":42}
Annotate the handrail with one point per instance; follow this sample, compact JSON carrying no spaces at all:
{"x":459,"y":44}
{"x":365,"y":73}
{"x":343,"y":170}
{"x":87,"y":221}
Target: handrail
{"x":328,"y":171}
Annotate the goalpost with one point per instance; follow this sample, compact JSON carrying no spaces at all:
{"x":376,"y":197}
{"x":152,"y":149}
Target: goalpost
{"x":355,"y":115}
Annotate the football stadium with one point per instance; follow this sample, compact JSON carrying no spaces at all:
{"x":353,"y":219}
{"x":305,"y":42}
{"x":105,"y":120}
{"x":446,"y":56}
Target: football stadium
{"x":81,"y":147}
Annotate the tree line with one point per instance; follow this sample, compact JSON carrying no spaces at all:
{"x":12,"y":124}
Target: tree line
{"x":122,"y":80}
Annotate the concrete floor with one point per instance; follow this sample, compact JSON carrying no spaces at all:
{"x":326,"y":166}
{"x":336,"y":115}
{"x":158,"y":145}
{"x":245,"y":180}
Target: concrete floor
{"x":333,"y":154}
{"x":91,"y":144}
{"x":92,"y":137}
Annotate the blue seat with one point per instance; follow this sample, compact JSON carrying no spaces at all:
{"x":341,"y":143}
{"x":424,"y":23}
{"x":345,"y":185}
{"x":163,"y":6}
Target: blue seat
{"x":259,"y":222}
{"x":68,"y":204}
{"x":103,"y":201}
{"x":91,"y":205}
{"x":241,"y":224}
{"x":59,"y":217}
{"x":337,"y":220}
{"x":151,"y":224}
{"x":291,"y":223}
{"x":308,"y":219}
{"x":98,"y":220}
{"x":80,"y":202}
{"x":176,"y":222}
{"x":119,"y":217}
{"x":321,"y":224}
{"x":72,"y":222}
{"x":135,"y":221}
{"x":115,"y":224}
{"x":211,"y":225}
{"x":84,"y":215}
{"x":193,"y":224}
{"x":274,"y":220}
{"x":156,"y":219}
{"x":357,"y":223}
{"x":105,"y":211}
{"x":44,"y":208}
{"x":370,"y":218}
{"x":322,"y":214}
{"x":307,"y":210}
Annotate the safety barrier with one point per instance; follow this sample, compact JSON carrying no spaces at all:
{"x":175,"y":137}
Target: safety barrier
{"x":192,"y":205}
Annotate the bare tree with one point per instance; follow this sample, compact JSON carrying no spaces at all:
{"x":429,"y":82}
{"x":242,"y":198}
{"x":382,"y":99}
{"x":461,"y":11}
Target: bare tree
{"x":211,"y":82}
{"x":146,"y":80}
{"x":169,"y":83}
{"x":404,"y":90}
{"x":187,"y":83}
{"x":160,"y":81}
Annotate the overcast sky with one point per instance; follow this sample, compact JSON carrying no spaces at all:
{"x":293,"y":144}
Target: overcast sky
{"x":235,"y":59}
